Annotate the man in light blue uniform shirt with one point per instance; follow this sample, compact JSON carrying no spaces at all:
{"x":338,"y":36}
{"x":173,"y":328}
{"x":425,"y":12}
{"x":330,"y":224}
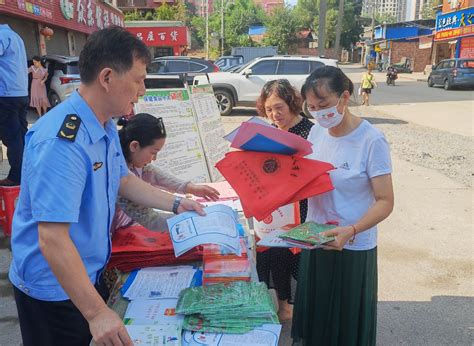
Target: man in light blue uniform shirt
{"x":13,"y":100}
{"x":73,"y":171}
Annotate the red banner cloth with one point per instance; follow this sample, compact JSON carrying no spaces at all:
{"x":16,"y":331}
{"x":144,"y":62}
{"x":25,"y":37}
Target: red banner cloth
{"x":266,"y":181}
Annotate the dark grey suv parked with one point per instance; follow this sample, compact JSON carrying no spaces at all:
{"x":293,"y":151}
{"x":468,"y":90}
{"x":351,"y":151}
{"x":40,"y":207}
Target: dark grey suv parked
{"x":453,"y":72}
{"x":173,"y":65}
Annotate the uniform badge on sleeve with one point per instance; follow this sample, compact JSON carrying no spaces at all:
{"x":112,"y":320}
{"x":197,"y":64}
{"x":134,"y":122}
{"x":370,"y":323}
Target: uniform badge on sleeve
{"x":70,"y":127}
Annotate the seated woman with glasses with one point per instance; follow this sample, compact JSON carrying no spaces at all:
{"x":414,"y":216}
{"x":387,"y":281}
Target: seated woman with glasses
{"x":281,"y":104}
{"x":141,"y":138}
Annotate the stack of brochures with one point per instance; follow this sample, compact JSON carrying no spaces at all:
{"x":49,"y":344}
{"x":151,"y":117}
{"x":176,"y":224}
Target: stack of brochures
{"x":137,"y":247}
{"x":220,"y":266}
{"x":233,"y":308}
{"x":219,"y":226}
{"x":151,"y":318}
{"x":307,"y":235}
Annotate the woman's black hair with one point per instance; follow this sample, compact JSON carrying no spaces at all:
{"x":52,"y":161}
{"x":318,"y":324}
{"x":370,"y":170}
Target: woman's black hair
{"x":331,"y":77}
{"x":36,"y":58}
{"x":143,"y":128}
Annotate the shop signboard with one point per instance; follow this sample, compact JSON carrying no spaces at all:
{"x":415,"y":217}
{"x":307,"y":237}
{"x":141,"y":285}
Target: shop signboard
{"x":156,"y":36}
{"x":84,"y":16}
{"x":455,"y":24}
{"x":194,"y":141}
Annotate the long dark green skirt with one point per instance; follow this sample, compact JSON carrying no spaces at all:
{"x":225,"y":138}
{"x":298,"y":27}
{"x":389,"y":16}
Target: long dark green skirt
{"x":336,"y":298}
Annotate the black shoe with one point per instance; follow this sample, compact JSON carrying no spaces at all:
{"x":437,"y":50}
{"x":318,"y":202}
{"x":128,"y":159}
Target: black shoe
{"x":8,"y":182}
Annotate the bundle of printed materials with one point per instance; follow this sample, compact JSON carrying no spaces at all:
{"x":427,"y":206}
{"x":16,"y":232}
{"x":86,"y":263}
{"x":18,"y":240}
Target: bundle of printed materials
{"x":221,"y":266}
{"x":305,"y":236}
{"x":236,"y":307}
{"x":136,"y":247}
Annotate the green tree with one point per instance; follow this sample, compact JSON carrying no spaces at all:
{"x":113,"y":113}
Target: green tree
{"x":282,"y":26}
{"x":386,"y":18}
{"x":306,"y":12}
{"x":237,"y":19}
{"x":165,"y":12}
{"x":134,"y":15}
{"x":429,"y":9}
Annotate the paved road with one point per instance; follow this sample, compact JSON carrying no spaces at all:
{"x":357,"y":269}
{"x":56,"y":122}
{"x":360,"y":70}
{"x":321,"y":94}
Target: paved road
{"x":413,"y":101}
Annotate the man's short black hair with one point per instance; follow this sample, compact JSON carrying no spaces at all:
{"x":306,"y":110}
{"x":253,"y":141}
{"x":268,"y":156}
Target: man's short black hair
{"x":113,"y":47}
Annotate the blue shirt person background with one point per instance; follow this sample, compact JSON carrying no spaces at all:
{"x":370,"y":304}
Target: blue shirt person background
{"x":73,"y":171}
{"x":13,"y":100}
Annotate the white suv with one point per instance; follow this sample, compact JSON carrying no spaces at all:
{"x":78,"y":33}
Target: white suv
{"x":243,"y":86}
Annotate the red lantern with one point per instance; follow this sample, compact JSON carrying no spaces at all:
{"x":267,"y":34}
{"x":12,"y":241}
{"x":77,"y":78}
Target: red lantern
{"x":47,"y":32}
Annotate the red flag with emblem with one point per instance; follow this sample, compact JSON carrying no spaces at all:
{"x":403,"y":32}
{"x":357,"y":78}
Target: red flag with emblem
{"x":266,"y":181}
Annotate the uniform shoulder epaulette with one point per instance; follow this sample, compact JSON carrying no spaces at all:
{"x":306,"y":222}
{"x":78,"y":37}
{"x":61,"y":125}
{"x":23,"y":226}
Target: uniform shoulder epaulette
{"x":70,"y":127}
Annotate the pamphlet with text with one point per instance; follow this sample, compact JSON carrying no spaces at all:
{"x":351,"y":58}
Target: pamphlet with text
{"x":218,"y":226}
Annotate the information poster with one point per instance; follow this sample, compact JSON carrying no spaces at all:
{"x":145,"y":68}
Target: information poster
{"x":210,"y":126}
{"x":183,"y":153}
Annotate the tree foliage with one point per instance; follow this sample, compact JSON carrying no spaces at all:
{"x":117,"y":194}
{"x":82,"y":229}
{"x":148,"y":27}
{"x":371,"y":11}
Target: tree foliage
{"x":387,"y":18}
{"x":429,"y":9}
{"x":282,"y":27}
{"x":282,"y":24}
{"x":307,"y":13}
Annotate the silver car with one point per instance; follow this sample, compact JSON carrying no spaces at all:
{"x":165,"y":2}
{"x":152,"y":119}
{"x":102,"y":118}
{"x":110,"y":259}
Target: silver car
{"x":63,"y":77}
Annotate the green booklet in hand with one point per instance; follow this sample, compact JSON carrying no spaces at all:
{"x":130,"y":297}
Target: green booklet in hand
{"x":308,"y":233}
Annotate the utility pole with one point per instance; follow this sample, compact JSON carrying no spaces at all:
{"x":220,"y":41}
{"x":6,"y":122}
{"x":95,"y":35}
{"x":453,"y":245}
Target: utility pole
{"x":340,"y":17}
{"x":207,"y":28}
{"x":322,"y":27}
{"x":374,"y":5}
{"x":222,"y":27}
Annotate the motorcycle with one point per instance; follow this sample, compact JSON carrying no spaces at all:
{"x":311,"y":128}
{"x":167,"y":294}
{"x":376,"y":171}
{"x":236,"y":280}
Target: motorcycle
{"x":392,"y":75}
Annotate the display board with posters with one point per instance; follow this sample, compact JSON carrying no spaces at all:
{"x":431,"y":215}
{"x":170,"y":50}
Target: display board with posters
{"x":183,"y":154}
{"x":194,"y":141}
{"x":210,"y":127}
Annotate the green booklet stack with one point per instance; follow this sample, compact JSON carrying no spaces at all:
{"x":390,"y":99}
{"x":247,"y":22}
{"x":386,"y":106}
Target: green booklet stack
{"x":236,"y":307}
{"x":308,"y":233}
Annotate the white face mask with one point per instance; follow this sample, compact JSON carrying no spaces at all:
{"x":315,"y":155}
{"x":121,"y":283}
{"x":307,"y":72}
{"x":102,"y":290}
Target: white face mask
{"x":328,"y":117}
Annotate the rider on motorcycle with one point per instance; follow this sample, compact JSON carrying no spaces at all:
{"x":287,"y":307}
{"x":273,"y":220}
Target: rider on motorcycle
{"x":392,"y":75}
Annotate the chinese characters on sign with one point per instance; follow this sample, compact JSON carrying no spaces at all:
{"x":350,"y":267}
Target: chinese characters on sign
{"x":34,"y":9}
{"x":82,"y":15}
{"x":161,"y":36}
{"x":91,"y":14}
{"x":447,"y":34}
{"x":455,"y":19}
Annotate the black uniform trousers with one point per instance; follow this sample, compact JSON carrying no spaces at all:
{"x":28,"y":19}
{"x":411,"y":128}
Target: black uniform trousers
{"x":46,"y":323}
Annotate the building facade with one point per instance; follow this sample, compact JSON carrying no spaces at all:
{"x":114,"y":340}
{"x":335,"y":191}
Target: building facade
{"x":71,"y":22}
{"x":269,"y":5}
{"x":150,"y":5}
{"x":395,"y":8}
{"x":454,"y":33}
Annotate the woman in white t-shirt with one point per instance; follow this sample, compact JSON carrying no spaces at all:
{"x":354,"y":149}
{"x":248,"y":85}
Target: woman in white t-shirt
{"x":336,"y":297}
